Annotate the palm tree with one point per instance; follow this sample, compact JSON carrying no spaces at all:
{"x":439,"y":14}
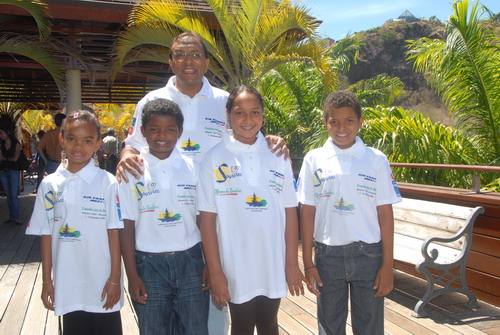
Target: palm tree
{"x":118,"y":117}
{"x":381,"y":90}
{"x":31,"y":46}
{"x":252,"y":37}
{"x":465,"y":70}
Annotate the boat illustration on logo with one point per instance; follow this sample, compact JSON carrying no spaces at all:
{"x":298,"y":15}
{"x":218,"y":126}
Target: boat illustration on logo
{"x":190,"y":145}
{"x":168,"y":216}
{"x":256,"y":201}
{"x":68,"y":231}
{"x":343,"y":205}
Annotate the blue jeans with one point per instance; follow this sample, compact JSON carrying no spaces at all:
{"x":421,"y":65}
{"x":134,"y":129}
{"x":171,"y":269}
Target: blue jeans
{"x":349,"y":270}
{"x":10,"y":184}
{"x":51,"y":166}
{"x":176,"y":303}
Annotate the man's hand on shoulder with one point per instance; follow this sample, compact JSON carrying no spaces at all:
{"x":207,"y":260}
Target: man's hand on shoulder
{"x":130,"y":161}
{"x":278,"y":146}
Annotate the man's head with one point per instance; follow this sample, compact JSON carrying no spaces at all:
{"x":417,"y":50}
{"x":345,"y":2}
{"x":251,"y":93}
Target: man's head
{"x":189,"y":61}
{"x":110,"y":132}
{"x":59,"y":118}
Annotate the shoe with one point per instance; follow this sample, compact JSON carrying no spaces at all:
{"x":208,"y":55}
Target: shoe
{"x":8,"y":221}
{"x":18,"y":222}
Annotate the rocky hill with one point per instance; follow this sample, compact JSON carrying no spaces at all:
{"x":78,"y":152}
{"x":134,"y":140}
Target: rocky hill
{"x":383,"y":53}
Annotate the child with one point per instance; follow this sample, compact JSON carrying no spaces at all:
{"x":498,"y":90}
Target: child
{"x":346,"y":190}
{"x":248,"y":220}
{"x":161,"y":242}
{"x":76,"y":213}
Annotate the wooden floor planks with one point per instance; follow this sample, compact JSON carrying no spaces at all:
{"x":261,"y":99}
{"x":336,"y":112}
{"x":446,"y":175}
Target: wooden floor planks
{"x":22,"y":311}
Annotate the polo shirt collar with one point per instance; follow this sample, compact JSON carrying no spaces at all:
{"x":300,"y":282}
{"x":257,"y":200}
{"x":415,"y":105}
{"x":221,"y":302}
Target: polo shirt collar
{"x":236,"y":146}
{"x":356,"y":150}
{"x":173,"y":160}
{"x":87,"y":173}
{"x":206,"y":89}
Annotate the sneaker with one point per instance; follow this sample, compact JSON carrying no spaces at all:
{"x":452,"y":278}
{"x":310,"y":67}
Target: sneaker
{"x":8,"y":221}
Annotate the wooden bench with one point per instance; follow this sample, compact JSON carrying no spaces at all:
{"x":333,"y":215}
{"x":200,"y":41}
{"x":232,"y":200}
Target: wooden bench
{"x":436,"y":238}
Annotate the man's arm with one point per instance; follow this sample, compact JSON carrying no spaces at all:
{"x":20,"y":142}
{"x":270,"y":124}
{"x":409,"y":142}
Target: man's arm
{"x":130,"y":161}
{"x":384,"y":282}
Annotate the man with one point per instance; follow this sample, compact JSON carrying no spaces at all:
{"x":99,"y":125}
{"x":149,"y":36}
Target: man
{"x":49,"y":148}
{"x":204,"y":110}
{"x":110,"y":148}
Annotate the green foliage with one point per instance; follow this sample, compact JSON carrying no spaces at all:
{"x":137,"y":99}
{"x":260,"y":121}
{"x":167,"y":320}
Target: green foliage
{"x":254,"y":37}
{"x":465,"y":71}
{"x":381,"y":90}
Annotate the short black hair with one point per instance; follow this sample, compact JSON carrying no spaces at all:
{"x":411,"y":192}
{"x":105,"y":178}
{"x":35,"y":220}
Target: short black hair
{"x":162,"y":107}
{"x":59,"y":118}
{"x":81,"y":115}
{"x":189,"y":34}
{"x":340,"y":99}
{"x":237,"y":91}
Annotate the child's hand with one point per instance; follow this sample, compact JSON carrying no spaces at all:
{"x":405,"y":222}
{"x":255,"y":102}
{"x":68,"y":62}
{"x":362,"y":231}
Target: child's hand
{"x":137,"y":290}
{"x":111,"y":292}
{"x":205,"y":279}
{"x":48,"y":295}
{"x":384,"y":282}
{"x":219,"y":288}
{"x":312,"y":278}
{"x":294,"y":279}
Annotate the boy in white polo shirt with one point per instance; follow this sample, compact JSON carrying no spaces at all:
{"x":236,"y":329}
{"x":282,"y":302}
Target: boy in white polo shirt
{"x":347,"y":191}
{"x":161,"y":241}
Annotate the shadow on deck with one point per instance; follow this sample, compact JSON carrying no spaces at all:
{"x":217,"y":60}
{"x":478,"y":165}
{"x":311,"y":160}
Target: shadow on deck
{"x":22,"y":312}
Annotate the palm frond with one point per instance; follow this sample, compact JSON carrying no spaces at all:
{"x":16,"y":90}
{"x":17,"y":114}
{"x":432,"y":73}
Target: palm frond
{"x":38,"y":10}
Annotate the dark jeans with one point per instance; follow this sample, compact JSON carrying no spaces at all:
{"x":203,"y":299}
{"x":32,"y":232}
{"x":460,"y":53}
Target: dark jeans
{"x":176,"y":303}
{"x":349,"y":270}
{"x":10,"y":184}
{"x":260,"y":312}
{"x":86,"y":323}
{"x":110,"y":164}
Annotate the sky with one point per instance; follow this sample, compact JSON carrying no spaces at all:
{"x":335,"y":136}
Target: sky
{"x":342,"y":17}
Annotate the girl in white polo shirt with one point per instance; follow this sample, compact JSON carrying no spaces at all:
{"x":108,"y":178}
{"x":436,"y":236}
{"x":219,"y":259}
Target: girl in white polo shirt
{"x":77,"y":215}
{"x":248,"y":220}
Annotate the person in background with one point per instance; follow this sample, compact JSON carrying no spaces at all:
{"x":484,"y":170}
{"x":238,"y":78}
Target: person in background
{"x":40,"y":163}
{"x":49,"y":147}
{"x":111,"y":150}
{"x":77,"y":216}
{"x":347,"y":190}
{"x":10,"y":171}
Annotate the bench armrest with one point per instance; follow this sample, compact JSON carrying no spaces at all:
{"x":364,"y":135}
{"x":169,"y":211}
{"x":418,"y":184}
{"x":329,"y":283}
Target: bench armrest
{"x":432,"y":255}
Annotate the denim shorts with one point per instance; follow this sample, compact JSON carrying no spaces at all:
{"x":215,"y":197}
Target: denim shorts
{"x":176,"y":303}
{"x":349,"y":271}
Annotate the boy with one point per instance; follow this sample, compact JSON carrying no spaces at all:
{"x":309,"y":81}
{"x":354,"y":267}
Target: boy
{"x":161,"y":242}
{"x":347,"y":191}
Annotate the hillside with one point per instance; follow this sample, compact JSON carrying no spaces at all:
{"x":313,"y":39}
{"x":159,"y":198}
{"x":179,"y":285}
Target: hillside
{"x":383,"y":53}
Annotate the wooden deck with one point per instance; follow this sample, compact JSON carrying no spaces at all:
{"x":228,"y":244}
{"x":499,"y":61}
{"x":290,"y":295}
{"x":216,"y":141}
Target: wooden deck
{"x":22,"y":312}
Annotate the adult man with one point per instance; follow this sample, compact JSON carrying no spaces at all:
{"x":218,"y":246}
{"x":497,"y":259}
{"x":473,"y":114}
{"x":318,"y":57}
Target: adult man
{"x":50,"y":143}
{"x":110,"y":148}
{"x":204,"y":110}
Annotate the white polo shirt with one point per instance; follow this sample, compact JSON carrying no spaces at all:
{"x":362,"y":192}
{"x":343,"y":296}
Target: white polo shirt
{"x":204,"y":118}
{"x":249,"y":188}
{"x":77,"y":210}
{"x":346,"y":186}
{"x":162,"y":203}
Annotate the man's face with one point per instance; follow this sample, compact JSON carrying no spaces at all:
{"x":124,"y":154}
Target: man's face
{"x":188,"y":63}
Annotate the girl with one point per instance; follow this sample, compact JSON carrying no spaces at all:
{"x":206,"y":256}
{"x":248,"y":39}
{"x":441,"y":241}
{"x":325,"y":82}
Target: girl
{"x":9,"y":171}
{"x":248,"y":220}
{"x":77,"y":214}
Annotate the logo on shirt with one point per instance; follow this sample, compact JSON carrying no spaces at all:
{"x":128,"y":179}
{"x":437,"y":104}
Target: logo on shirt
{"x":343,"y":206}
{"x":319,"y":179}
{"x":168,"y":216}
{"x":256,"y":203}
{"x":225,"y":172}
{"x":131,"y":129}
{"x":68,"y":231}
{"x":216,"y":122}
{"x":142,"y":190}
{"x":395,"y":185}
{"x":190,"y":145}
{"x":50,"y":199}
{"x":118,"y":210}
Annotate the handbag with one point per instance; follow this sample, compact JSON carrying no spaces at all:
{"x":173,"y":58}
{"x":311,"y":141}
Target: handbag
{"x":23,"y":162}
